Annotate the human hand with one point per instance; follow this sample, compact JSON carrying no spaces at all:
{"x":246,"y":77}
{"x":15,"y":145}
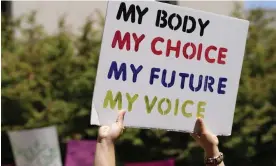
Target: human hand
{"x":111,"y":133}
{"x":105,"y":152}
{"x":205,"y":139}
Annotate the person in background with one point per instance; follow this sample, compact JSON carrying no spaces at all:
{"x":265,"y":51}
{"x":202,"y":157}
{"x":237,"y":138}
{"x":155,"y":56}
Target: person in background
{"x":107,"y":135}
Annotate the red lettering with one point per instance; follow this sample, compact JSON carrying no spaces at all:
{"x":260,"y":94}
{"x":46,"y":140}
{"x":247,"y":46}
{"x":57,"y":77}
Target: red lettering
{"x":185,"y":47}
{"x":199,"y":51}
{"x":171,"y":48}
{"x":153,"y":43}
{"x":221,"y":55}
{"x":137,"y":40}
{"x":190,"y":50}
{"x":118,"y":39}
{"x":208,"y":49}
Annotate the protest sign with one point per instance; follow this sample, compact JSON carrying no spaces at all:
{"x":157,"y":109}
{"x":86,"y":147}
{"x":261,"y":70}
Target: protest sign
{"x":80,"y":153}
{"x":36,"y":147}
{"x":167,"y":65}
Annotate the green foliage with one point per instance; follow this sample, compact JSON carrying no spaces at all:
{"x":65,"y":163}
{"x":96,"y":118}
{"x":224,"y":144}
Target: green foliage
{"x":254,"y":134}
{"x":48,"y":79}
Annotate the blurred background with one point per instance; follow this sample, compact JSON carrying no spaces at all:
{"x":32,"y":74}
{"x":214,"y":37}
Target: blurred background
{"x":49,"y":60}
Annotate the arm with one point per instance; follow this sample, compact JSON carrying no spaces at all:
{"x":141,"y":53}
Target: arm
{"x":105,"y":152}
{"x":211,"y":153}
{"x":207,"y":141}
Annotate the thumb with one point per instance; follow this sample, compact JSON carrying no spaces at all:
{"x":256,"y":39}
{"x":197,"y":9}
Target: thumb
{"x":120,"y":118}
{"x":195,"y":137}
{"x":200,"y":127}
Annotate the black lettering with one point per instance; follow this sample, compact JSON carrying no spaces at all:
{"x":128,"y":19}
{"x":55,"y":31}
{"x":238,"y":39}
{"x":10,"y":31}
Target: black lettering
{"x":163,"y":18}
{"x":193,"y":24}
{"x":202,"y":26}
{"x":126,"y":14}
{"x":141,"y":13}
{"x":185,"y":24}
{"x":175,"y":21}
{"x":179,"y":21}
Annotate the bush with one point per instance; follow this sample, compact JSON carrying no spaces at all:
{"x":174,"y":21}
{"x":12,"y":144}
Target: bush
{"x":48,"y":79}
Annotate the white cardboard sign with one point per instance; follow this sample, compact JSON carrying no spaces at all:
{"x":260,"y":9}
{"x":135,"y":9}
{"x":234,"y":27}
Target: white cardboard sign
{"x":167,"y":65}
{"x":36,"y":147}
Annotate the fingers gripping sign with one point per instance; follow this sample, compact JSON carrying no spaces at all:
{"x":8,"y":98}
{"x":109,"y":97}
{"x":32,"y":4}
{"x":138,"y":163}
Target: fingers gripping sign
{"x":207,"y":141}
{"x":114,"y":131}
{"x":203,"y":137}
{"x":105,"y":152}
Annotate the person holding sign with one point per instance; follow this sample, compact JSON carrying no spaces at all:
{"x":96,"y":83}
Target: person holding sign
{"x":175,"y":64}
{"x":107,"y":135}
{"x":105,"y":153}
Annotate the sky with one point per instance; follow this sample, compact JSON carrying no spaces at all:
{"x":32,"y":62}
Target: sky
{"x":263,"y":4}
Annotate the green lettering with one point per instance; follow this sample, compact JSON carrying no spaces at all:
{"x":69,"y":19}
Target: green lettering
{"x":151,"y":105}
{"x":109,"y":99}
{"x":176,"y":107}
{"x":200,"y":109}
{"x":188,"y":115}
{"x":160,"y":110}
{"x":131,"y":100}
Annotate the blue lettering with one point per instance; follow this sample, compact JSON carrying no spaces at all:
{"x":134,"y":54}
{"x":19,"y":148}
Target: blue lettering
{"x":191,"y":85}
{"x":221,"y":85}
{"x":135,"y":71}
{"x":114,"y":69}
{"x":164,"y":73}
{"x":153,"y":75}
{"x":183,"y":76}
{"x":206,"y":83}
{"x":211,"y":83}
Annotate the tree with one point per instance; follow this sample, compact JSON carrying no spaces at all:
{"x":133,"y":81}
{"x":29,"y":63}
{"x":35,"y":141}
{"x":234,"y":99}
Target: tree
{"x":48,"y":79}
{"x":254,"y":129}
